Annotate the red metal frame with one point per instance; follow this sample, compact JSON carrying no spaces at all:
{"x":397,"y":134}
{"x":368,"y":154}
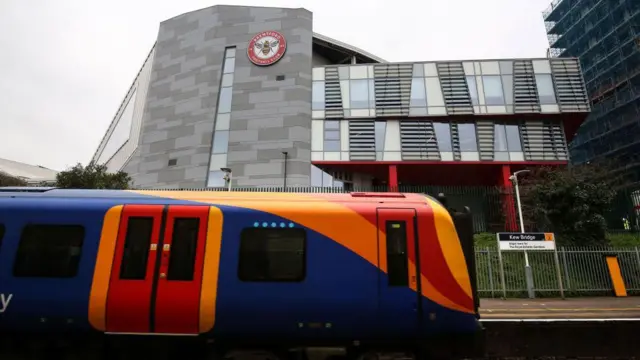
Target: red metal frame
{"x":129,"y":301}
{"x":178,"y":302}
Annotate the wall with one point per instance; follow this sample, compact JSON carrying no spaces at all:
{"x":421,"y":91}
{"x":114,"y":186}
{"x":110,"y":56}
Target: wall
{"x":267,"y":116}
{"x":118,"y":147}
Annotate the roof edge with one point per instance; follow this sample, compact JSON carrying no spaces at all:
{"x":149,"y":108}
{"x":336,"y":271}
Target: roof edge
{"x":348,"y":47}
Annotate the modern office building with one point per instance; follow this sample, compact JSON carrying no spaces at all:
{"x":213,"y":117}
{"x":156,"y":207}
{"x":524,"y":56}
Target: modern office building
{"x":605,"y":36}
{"x":256,"y":91}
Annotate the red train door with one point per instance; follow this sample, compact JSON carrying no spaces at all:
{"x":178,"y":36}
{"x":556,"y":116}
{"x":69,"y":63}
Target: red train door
{"x":400,"y":305}
{"x":157,"y":270}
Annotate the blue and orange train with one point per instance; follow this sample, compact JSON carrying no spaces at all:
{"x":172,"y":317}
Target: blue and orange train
{"x":309,"y":268}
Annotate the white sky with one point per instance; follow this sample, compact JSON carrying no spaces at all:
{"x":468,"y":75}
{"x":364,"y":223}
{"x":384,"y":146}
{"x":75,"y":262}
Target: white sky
{"x":65,"y":65}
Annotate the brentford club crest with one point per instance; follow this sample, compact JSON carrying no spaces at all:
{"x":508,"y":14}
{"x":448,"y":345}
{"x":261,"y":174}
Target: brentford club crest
{"x":266,"y":48}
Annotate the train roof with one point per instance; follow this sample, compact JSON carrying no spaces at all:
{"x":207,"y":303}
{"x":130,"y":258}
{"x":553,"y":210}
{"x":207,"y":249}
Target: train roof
{"x":212,"y":195}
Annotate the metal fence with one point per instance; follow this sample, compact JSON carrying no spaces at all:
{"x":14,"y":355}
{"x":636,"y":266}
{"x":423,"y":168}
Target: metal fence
{"x":488,"y":204}
{"x":583,"y":272}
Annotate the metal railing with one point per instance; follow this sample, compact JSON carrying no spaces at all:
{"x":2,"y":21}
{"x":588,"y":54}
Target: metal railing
{"x":583,"y":271}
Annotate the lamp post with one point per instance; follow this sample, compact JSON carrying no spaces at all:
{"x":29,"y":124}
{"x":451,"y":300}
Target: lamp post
{"x":227,"y":177}
{"x":284,"y":181}
{"x":527,"y":267}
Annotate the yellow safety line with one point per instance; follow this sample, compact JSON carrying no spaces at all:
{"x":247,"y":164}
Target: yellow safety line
{"x":559,"y":309}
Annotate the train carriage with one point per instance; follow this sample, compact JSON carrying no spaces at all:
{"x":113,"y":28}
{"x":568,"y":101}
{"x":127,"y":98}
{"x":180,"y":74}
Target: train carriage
{"x":242,"y":269}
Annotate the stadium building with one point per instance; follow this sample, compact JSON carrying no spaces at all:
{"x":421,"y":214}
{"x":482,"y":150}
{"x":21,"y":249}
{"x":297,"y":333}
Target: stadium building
{"x":254,"y":91}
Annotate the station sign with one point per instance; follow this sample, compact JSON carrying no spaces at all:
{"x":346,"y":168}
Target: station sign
{"x":526,"y":241}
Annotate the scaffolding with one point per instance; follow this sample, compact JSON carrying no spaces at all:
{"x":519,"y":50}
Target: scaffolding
{"x":605,"y":35}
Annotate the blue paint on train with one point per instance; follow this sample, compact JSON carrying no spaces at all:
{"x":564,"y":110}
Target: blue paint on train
{"x":339,"y":296}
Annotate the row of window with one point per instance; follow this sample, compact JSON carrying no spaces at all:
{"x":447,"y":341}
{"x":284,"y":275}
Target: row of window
{"x":506,"y":136}
{"x":220,"y":141}
{"x":266,"y":254}
{"x":497,"y":89}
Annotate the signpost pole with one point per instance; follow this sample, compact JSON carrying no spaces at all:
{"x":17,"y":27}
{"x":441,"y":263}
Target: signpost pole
{"x":527,"y":268}
{"x":504,"y":285}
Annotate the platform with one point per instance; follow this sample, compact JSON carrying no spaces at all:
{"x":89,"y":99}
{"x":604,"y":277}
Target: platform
{"x":596,"y":308}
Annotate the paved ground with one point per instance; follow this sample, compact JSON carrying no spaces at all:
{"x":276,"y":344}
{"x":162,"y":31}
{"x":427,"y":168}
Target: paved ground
{"x":572,"y":308}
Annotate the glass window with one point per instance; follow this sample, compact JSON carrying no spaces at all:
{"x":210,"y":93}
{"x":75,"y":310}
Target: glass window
{"x":227,"y":80}
{"x":514,"y":142}
{"x":546,"y":92}
{"x":216,"y":179}
{"x":229,"y":65}
{"x":220,"y":142}
{"x":224,"y":103}
{"x":231,"y":52}
{"x":268,"y":254}
{"x":120,"y":133}
{"x":1,"y":234}
{"x":380,"y":128}
{"x":316,"y":176}
{"x":372,"y":94}
{"x":222,"y":121}
{"x":332,"y":125}
{"x":397,"y":257}
{"x":493,"y":94}
{"x":332,"y":135}
{"x":467,"y":134}
{"x":499,"y":138}
{"x":507,"y":85}
{"x":136,"y":248}
{"x":443,"y":136}
{"x":184,"y":243}
{"x":331,"y":145}
{"x":473,"y":89}
{"x":318,"y":95}
{"x":418,"y":93}
{"x":359,"y":94}
{"x":50,"y":251}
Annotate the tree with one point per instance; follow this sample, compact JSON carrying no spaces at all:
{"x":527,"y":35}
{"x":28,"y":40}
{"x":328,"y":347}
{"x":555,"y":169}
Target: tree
{"x":93,"y":176}
{"x":571,"y":201}
{"x":8,"y":180}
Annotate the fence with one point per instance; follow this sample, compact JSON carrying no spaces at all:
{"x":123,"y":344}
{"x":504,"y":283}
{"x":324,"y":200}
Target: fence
{"x":583,"y":271}
{"x":487,"y":203}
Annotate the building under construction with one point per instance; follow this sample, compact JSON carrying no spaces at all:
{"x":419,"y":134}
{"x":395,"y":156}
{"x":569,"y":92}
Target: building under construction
{"x":605,"y":35}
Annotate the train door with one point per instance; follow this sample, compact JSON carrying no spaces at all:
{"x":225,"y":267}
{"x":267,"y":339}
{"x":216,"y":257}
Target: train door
{"x":400,"y":305}
{"x":157,"y":270}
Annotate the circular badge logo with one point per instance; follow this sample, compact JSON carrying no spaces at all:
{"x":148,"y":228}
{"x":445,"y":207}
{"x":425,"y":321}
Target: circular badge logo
{"x":266,"y":48}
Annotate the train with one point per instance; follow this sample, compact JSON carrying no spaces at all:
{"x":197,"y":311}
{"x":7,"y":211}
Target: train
{"x":362,"y":272}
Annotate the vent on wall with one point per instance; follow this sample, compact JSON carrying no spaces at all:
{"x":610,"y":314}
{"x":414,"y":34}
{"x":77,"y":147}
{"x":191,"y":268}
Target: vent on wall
{"x":454,"y":88}
{"x":392,"y":89}
{"x":173,"y":162}
{"x":525,"y":92}
{"x":570,"y":87}
{"x":332,"y":94}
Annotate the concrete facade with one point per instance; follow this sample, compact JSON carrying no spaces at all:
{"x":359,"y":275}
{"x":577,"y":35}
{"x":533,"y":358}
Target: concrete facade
{"x":268,"y":116}
{"x":328,"y":114}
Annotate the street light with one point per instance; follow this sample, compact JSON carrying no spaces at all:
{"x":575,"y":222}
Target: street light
{"x":527,"y":268}
{"x":227,"y":176}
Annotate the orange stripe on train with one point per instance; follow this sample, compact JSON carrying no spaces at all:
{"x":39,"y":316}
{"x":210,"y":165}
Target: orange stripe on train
{"x":210,"y":271}
{"x":348,"y":229}
{"x":102,"y":270}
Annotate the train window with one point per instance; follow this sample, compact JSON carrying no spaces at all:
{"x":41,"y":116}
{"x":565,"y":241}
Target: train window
{"x":397,"y":260}
{"x":1,"y":234}
{"x":272,"y":254}
{"x":183,"y":249}
{"x":51,"y":251}
{"x":136,"y":248}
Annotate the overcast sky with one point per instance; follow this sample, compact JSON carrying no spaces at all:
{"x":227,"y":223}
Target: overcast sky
{"x":67,"y":64}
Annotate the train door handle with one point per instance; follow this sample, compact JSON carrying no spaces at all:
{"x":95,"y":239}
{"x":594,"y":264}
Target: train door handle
{"x":163,"y":275}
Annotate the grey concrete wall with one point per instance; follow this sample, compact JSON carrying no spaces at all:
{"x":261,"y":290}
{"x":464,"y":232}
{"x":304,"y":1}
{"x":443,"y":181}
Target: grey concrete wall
{"x":268,"y":116}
